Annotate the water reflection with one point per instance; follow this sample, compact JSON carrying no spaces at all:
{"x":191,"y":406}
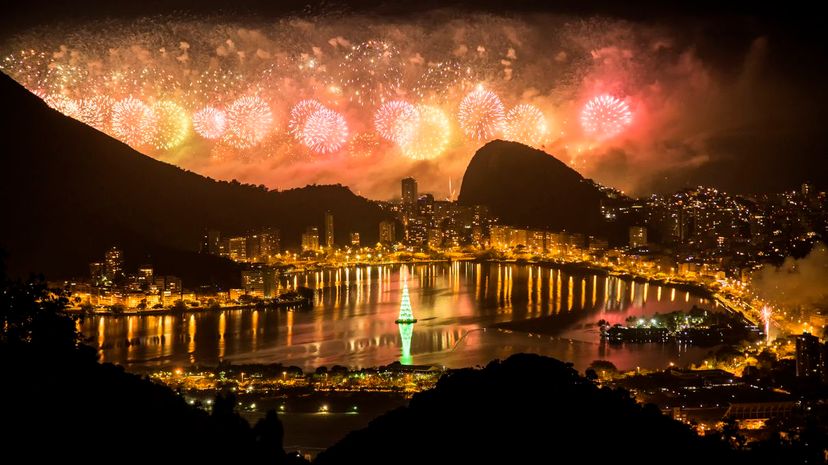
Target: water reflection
{"x":353,"y":321}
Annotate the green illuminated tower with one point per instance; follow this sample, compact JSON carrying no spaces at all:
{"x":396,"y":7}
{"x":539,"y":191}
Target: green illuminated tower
{"x":406,"y":315}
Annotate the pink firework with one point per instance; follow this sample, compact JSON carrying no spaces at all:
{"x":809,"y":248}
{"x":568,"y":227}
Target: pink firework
{"x":481,"y":114}
{"x":325,"y":131}
{"x":299,"y":116}
{"x":605,"y":116}
{"x":131,"y":121}
{"x":397,"y":121}
{"x":210,"y":122}
{"x":249,"y":120}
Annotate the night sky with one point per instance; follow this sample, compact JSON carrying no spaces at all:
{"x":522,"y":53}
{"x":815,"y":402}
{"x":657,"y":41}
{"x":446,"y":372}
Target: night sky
{"x":731,"y":97}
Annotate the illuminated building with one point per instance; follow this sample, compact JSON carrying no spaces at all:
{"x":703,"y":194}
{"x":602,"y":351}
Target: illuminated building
{"x":270,"y":244}
{"x":435,"y":238}
{"x":145,"y":276}
{"x":310,"y":239}
{"x":259,"y":281}
{"x":499,"y":237}
{"x":416,"y":229}
{"x":169,"y":287}
{"x":113,"y":264}
{"x":518,"y":237}
{"x":536,"y":241}
{"x":576,"y":240}
{"x":355,"y":239}
{"x":387,"y":233}
{"x":329,"y":230}
{"x":810,"y":357}
{"x":409,"y":192}
{"x":253,"y":248}
{"x":598,"y":245}
{"x":237,"y":248}
{"x":638,"y":236}
{"x":97,"y":273}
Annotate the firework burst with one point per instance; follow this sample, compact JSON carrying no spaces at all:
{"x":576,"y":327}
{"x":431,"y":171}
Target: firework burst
{"x":170,"y":125}
{"x":431,"y":136}
{"x":249,"y":120}
{"x":210,"y":122}
{"x":299,"y":115}
{"x":526,"y":124}
{"x":481,"y":114}
{"x":325,"y":131}
{"x":131,"y":120}
{"x":364,"y":145}
{"x":396,"y":121}
{"x":605,"y":116}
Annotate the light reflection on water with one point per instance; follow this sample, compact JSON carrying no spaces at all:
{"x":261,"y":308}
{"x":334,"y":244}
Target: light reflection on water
{"x":352,"y":323}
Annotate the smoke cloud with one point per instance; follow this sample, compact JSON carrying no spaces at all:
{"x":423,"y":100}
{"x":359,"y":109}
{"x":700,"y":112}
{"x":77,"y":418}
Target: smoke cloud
{"x":798,"y":283}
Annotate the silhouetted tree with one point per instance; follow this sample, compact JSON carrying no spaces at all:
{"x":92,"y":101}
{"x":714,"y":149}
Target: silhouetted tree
{"x":269,"y":434}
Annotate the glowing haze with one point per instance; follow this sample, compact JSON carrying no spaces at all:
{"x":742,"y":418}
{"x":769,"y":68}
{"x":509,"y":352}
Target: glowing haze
{"x":365,"y":102}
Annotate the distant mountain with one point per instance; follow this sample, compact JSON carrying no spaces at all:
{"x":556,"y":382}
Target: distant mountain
{"x":526,"y":187}
{"x":71,"y":192}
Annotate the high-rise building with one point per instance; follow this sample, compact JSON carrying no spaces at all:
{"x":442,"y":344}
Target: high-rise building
{"x":259,"y":280}
{"x":387,"y":233}
{"x":113,"y":264}
{"x":97,"y":272}
{"x":145,"y":276}
{"x":638,"y":236}
{"x":253,"y":248}
{"x":329,"y":230}
{"x":310,"y":239}
{"x":237,"y":248}
{"x":535,"y":241}
{"x":518,"y":237}
{"x":355,"y":242}
{"x":270,"y":241}
{"x":211,"y":242}
{"x":169,"y":288}
{"x":409,"y":192}
{"x":499,"y":237}
{"x":810,"y":361}
{"x":435,"y":238}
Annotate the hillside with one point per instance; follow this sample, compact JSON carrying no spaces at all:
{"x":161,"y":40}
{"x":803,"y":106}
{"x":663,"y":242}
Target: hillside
{"x":526,"y":187}
{"x":526,"y":409}
{"x":72,"y":192}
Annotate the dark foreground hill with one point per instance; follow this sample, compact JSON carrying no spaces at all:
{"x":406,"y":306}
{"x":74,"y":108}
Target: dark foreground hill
{"x":58,"y":402}
{"x":70,"y":192}
{"x":526,"y":409}
{"x":526,"y":187}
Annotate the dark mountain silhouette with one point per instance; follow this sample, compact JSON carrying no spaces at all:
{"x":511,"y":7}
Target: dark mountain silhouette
{"x":526,"y":187}
{"x":71,"y":192}
{"x":526,"y":409}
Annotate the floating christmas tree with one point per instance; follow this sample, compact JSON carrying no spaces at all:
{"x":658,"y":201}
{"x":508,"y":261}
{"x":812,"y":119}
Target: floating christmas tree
{"x":406,"y":315}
